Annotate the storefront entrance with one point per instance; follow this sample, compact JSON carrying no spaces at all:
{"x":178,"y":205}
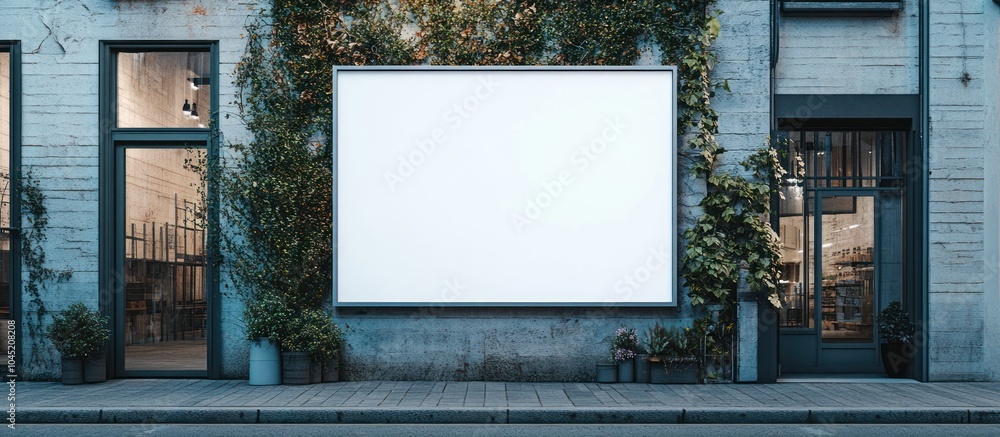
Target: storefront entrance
{"x":159,"y":100}
{"x":841,"y":231}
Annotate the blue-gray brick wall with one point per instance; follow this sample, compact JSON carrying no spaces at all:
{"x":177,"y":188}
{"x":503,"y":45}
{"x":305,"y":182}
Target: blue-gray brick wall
{"x":964,"y":298}
{"x":60,"y":43}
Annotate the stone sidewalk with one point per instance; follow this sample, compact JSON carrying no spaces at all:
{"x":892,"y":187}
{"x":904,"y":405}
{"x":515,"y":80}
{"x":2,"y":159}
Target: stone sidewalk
{"x":234,"y":401}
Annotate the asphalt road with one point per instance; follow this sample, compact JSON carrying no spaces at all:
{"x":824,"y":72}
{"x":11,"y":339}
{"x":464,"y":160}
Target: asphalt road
{"x":508,"y":430}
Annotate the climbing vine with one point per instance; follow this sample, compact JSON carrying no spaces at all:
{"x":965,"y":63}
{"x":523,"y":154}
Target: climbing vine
{"x":33,"y":237}
{"x":287,"y":99}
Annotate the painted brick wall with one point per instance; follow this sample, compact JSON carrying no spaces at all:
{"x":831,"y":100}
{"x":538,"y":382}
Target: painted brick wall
{"x":61,"y":130}
{"x":60,"y":118}
{"x":963,"y":209}
{"x":991,"y":129}
{"x":560,"y":343}
{"x":849,"y":55}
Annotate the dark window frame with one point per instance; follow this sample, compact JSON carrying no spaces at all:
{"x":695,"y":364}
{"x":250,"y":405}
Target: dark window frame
{"x":900,"y":112}
{"x":873,"y":8}
{"x":112,"y":138}
{"x":13,"y":48}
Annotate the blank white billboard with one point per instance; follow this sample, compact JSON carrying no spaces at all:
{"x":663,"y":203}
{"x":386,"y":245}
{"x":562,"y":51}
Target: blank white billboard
{"x":505,"y":186}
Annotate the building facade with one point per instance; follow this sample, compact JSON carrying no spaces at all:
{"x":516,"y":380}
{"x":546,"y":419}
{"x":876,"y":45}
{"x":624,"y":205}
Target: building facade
{"x":891,"y":109}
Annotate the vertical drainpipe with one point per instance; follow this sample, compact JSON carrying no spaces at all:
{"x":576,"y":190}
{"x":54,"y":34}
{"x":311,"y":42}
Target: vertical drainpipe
{"x":767,"y":349}
{"x":924,"y":90}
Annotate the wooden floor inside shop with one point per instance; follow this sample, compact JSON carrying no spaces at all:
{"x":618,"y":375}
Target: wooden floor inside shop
{"x":168,"y":355}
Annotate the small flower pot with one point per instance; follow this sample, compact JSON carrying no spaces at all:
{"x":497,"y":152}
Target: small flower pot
{"x":680,"y":370}
{"x":895,"y":359}
{"x":72,"y":371}
{"x":607,"y":373}
{"x":315,"y":372}
{"x":331,"y":370}
{"x":295,"y":368}
{"x":626,"y":370}
{"x":95,"y":368}
{"x":642,"y":369}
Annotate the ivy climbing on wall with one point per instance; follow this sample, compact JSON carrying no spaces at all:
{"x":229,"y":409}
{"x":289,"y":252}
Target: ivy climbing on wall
{"x":285,"y":78}
{"x":39,"y":275}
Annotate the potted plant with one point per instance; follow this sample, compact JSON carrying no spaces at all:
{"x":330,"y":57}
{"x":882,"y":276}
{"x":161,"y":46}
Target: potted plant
{"x":264,"y":317}
{"x":680,"y":360}
{"x":80,"y":335}
{"x":896,"y":332}
{"x":309,"y":338}
{"x":623,"y":347}
{"x":655,"y":341}
{"x":324,"y":348}
{"x":607,"y":372}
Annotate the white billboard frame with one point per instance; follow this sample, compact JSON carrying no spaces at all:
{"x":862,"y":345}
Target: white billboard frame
{"x":670,"y":247}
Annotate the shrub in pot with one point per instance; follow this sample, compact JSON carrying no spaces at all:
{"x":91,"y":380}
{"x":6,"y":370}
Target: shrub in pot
{"x":264,"y":317}
{"x":896,"y":332}
{"x":80,"y":335}
{"x":678,"y":356}
{"x":655,"y":343}
{"x":308,"y":336}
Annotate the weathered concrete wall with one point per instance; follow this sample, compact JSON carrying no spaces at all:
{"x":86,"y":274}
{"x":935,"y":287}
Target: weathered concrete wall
{"x":536,"y":344}
{"x":849,"y":55}
{"x":963,"y":283}
{"x":991,"y":128}
{"x":60,"y":41}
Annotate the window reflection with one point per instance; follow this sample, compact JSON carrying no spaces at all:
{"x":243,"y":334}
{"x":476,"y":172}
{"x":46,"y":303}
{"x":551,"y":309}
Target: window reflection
{"x":163,"y":89}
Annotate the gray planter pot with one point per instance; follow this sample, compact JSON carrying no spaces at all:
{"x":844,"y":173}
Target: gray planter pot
{"x":642,"y":368}
{"x":315,"y":372}
{"x":95,"y":368}
{"x":626,"y":370}
{"x":681,"y":370}
{"x":295,"y":368}
{"x":265,"y":362}
{"x":72,"y":371}
{"x":607,"y":373}
{"x":331,"y":370}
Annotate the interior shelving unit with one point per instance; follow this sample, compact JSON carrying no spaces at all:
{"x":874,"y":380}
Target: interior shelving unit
{"x":164,"y":279}
{"x":848,"y":295}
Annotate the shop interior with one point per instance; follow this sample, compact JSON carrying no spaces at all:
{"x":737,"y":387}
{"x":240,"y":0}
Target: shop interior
{"x":165,"y":311}
{"x":847,"y":200}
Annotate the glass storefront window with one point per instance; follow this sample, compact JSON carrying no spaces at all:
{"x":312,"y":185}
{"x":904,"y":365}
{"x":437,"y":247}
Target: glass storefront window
{"x":854,"y":178}
{"x":163,"y":89}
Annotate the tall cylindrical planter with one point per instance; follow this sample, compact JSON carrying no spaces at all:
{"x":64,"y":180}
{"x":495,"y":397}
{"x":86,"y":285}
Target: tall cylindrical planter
{"x":626,"y":370}
{"x":265,"y":362}
{"x":95,"y":368}
{"x":642,"y":368}
{"x":295,"y":367}
{"x":72,"y":371}
{"x":331,"y":370}
{"x":607,"y":373}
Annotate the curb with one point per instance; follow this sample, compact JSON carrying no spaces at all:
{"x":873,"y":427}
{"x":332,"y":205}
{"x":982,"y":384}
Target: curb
{"x":723,"y":415}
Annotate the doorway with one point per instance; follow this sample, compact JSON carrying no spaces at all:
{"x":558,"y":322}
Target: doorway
{"x":159,"y":104}
{"x":841,"y":229}
{"x":163,"y":309}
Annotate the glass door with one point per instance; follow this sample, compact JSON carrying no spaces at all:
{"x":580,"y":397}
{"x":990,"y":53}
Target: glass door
{"x":845,"y":274}
{"x":841,"y":233}
{"x":162,"y":258}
